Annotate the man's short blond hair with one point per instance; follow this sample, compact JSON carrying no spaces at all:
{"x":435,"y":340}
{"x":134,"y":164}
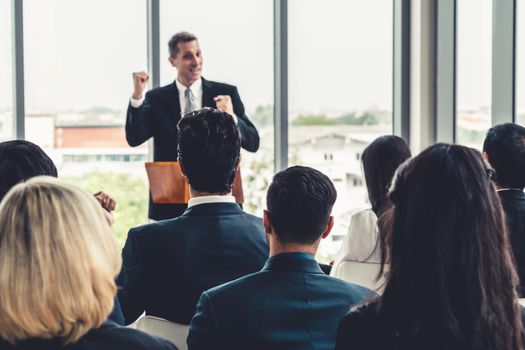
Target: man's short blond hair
{"x":58,"y":262}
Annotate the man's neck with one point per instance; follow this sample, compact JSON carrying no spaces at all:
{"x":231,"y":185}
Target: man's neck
{"x":195,"y":193}
{"x":277,"y":247}
{"x":185,"y":82}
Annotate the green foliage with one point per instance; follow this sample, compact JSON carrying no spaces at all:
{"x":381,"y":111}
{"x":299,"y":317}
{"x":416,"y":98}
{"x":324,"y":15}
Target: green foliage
{"x":366,"y":118}
{"x":130,"y":193}
{"x":313,"y":119}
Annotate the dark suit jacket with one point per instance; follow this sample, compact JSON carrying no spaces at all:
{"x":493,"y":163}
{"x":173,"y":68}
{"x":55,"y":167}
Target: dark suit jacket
{"x":109,"y":336}
{"x":514,"y":206}
{"x":168,"y":264}
{"x":290,"y":304}
{"x":158,"y":117}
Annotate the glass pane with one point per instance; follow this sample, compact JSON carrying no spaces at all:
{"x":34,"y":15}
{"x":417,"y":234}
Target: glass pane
{"x":79,"y":59}
{"x":6,"y":72}
{"x":520,"y":66}
{"x":474,"y":67}
{"x":236,"y":39}
{"x":340,"y":94}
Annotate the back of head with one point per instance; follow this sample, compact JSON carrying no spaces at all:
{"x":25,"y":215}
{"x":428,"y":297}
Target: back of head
{"x":380,"y":160}
{"x":451,"y":276}
{"x":21,"y":160}
{"x":58,"y":262}
{"x":209,"y":149}
{"x":505,"y":149}
{"x":299,"y":202}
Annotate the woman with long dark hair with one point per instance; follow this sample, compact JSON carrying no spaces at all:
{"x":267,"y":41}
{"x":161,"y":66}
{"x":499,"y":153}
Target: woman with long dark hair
{"x":359,"y":259}
{"x":451,"y":284}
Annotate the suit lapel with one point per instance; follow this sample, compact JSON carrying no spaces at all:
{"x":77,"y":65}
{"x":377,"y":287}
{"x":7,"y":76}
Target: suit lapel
{"x":207,"y":94}
{"x":176,"y":102}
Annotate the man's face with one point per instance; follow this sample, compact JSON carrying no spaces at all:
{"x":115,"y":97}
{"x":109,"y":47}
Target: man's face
{"x":188,"y":62}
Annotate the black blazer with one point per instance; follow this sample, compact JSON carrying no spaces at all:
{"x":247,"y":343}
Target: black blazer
{"x":168,"y":264}
{"x":513,"y":202}
{"x":109,"y":336}
{"x":158,"y":116}
{"x":290,"y":304}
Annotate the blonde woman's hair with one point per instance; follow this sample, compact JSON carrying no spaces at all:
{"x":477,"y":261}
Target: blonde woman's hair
{"x":58,"y":262}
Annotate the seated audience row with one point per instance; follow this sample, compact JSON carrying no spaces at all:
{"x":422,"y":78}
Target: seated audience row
{"x":440,"y":234}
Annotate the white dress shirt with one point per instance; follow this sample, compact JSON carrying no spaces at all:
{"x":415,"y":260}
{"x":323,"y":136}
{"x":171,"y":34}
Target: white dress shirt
{"x":210,"y":199}
{"x":359,"y":258}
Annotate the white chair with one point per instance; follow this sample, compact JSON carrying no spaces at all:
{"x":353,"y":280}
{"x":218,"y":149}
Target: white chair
{"x":174,"y":332}
{"x":522,"y":302}
{"x":360,"y":273}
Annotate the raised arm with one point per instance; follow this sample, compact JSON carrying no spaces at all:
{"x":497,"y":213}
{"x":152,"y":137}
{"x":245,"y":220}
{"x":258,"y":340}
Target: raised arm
{"x":138,"y":116}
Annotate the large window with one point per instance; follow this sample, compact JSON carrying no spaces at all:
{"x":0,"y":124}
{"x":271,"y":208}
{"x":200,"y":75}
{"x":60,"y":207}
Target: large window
{"x":79,"y":56}
{"x":236,"y":39}
{"x":474,"y":67}
{"x":340,"y":94}
{"x":520,"y":66}
{"x":6,"y":91}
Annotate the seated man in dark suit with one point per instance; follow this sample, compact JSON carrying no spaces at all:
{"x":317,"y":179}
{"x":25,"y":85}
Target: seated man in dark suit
{"x":168,"y":264}
{"x":290,"y":304}
{"x":504,"y":149}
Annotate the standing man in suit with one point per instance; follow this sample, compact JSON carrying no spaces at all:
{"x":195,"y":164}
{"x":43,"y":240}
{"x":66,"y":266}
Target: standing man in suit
{"x":504,"y":150}
{"x":290,"y":304}
{"x":157,"y":114}
{"x":168,"y":264}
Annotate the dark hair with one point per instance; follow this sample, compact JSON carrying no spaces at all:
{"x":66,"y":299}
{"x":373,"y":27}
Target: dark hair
{"x":181,"y":37}
{"x":452,"y":282}
{"x":21,"y":160}
{"x":380,"y":161}
{"x":209,"y":149}
{"x":299,"y":202}
{"x":505,"y":148}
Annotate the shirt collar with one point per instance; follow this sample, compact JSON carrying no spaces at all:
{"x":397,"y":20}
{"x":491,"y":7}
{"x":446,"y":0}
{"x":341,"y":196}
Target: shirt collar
{"x":210,"y":199}
{"x":195,"y":88}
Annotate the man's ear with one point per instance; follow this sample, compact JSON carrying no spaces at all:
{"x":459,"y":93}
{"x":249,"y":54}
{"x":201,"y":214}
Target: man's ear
{"x":328,"y":227}
{"x":171,"y":59}
{"x":267,"y":222}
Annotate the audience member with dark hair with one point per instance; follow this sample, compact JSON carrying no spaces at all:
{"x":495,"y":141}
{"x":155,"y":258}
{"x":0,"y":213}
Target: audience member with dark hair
{"x":58,"y":261}
{"x":290,"y":304}
{"x":504,"y":149}
{"x":359,"y":259}
{"x":452,"y":283}
{"x":168,"y":264}
{"x":21,"y":160}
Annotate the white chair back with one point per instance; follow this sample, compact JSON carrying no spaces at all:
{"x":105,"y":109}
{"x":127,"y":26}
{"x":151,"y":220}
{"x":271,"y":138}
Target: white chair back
{"x":360,"y":273}
{"x":174,"y":332}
